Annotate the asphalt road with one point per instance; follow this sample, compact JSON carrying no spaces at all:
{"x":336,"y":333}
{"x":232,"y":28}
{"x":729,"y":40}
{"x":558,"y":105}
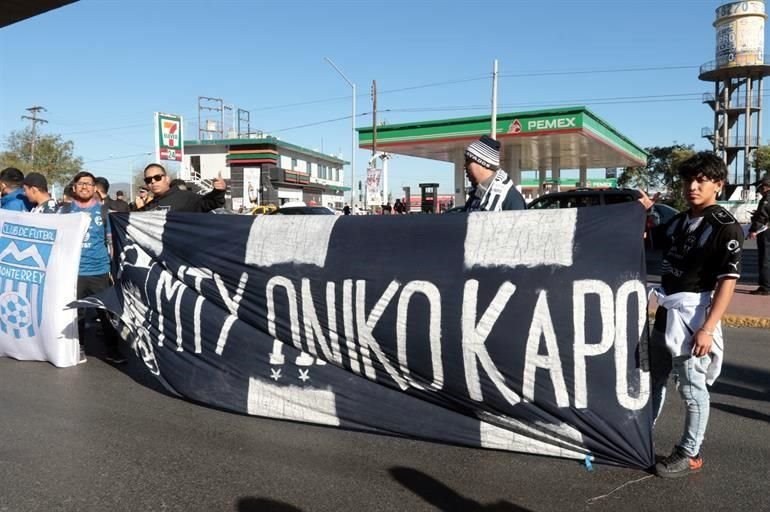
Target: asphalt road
{"x":101,"y":438}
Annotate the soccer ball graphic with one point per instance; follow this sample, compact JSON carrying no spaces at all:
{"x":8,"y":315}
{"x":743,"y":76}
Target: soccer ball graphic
{"x":15,"y":311}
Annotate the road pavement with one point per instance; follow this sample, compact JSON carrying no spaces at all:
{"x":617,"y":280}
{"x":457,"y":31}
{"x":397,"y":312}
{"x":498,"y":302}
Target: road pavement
{"x":103,"y":438}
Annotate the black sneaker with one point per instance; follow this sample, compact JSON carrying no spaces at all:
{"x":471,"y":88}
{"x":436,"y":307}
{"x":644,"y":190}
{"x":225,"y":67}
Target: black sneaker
{"x":115,"y":358}
{"x":678,"y":464}
{"x":760,"y":291}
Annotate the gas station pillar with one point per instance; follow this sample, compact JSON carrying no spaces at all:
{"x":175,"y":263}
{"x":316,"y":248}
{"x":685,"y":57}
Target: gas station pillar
{"x":556,"y":172}
{"x":459,"y":160}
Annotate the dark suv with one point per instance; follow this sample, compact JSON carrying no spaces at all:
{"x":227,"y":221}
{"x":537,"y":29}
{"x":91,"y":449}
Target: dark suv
{"x":659,"y":215}
{"x":584,"y":197}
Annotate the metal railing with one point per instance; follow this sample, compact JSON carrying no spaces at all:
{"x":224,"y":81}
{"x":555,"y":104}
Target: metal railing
{"x":740,"y":142}
{"x":706,"y":132}
{"x":738,"y":101}
{"x":738,"y":60}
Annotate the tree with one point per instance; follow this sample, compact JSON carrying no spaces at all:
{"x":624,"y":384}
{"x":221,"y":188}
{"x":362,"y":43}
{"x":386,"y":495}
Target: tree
{"x":54,"y":157}
{"x":636,"y":177}
{"x":761,"y":161}
{"x":660,"y":171}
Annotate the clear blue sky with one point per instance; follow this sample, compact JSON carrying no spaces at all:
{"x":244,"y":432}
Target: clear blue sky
{"x":102,"y":68}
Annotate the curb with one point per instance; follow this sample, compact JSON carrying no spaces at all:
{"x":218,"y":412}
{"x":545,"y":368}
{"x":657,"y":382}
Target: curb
{"x":732,"y":320}
{"x":746,"y":321}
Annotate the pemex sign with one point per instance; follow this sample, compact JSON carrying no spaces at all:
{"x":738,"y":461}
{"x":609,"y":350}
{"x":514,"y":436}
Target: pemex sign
{"x":169,"y":143}
{"x":544,"y":124}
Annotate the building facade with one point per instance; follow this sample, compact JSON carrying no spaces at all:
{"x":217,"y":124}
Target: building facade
{"x":266,"y":171}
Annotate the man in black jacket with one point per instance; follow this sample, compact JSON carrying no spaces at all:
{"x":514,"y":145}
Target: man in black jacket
{"x":168,"y":198}
{"x":758,"y":230}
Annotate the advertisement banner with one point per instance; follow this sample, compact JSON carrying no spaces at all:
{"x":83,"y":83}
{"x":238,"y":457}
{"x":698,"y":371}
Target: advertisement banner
{"x":374,"y":187}
{"x":169,"y":139}
{"x":251,"y":187}
{"x":514,"y":339}
{"x":39,"y":260}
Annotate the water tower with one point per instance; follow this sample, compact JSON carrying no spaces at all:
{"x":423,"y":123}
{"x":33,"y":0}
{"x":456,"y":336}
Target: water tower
{"x":737,"y":74}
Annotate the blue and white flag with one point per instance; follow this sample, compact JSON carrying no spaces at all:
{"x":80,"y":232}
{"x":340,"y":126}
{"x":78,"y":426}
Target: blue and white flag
{"x":521,"y":331}
{"x":39,"y":258}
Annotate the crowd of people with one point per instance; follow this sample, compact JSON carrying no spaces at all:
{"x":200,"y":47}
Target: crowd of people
{"x":89,"y":194}
{"x":701,"y":263}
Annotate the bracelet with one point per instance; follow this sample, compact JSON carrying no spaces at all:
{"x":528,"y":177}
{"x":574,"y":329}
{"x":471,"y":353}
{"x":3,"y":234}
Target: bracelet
{"x":710,"y":333}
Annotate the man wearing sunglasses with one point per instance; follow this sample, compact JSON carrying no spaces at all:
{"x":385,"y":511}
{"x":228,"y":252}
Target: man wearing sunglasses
{"x":168,"y":198}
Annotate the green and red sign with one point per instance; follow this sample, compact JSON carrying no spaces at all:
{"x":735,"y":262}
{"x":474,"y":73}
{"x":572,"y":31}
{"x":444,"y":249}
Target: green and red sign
{"x":169,"y":143}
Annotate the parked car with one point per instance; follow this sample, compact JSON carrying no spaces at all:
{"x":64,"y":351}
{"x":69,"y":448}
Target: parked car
{"x":302,"y":210}
{"x":584,"y":197}
{"x":263,"y":209}
{"x":657,"y":217}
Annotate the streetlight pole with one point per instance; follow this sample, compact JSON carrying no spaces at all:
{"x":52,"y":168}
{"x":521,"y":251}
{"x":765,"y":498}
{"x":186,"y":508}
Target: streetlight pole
{"x":352,"y":132}
{"x":131,"y":175}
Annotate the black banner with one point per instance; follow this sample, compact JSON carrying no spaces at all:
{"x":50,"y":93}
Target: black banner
{"x":522,"y":331}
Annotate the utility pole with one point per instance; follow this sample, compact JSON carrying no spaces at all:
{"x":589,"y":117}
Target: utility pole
{"x":374,"y":117}
{"x":494,"y":100}
{"x":374,"y":137}
{"x":34,"y":111}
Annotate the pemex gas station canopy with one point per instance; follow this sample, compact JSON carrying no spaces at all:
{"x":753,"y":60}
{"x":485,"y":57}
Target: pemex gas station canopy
{"x":568,"y":138}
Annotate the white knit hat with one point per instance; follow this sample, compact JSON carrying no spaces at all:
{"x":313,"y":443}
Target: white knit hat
{"x":485,"y":152}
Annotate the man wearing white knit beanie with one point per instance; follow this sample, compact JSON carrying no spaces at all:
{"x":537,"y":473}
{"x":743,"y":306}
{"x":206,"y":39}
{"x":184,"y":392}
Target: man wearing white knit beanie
{"x":493,"y":189}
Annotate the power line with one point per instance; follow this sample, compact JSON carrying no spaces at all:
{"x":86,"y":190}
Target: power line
{"x":115,"y":158}
{"x":597,"y":71}
{"x":317,"y":123}
{"x":424,"y":86}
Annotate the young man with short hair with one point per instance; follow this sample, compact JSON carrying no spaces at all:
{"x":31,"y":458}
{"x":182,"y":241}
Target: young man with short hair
{"x":94,"y":271}
{"x":36,"y":189}
{"x":13,"y":197}
{"x":701,"y":264}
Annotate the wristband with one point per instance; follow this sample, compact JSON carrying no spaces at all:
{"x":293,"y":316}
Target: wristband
{"x":710,"y":333}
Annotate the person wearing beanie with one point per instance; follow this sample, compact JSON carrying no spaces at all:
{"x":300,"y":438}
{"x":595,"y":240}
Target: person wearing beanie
{"x":36,"y":189}
{"x":492,"y":189}
{"x":13,"y":197}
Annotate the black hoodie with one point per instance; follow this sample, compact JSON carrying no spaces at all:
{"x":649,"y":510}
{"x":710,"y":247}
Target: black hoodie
{"x":176,"y":200}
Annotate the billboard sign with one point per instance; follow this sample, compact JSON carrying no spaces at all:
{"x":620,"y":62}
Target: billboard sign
{"x":251,"y":179}
{"x":169,"y":142}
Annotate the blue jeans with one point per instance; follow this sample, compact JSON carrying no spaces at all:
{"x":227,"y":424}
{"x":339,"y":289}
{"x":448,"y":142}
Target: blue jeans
{"x":690,"y":376}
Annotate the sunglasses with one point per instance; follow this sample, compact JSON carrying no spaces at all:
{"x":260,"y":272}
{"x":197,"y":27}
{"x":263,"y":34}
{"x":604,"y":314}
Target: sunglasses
{"x":150,"y":179}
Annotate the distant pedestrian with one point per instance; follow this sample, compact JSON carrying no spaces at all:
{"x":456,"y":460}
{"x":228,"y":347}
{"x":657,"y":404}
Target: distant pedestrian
{"x":346,"y":209}
{"x":94,"y":270}
{"x":493,"y":190}
{"x":142,"y":198}
{"x":701,"y":264}
{"x":36,"y":189}
{"x":760,"y":222}
{"x":399,"y":207}
{"x":387,"y":209}
{"x":13,"y":197}
{"x":167,"y":198}
{"x":120,"y":202}
{"x":103,"y":190}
